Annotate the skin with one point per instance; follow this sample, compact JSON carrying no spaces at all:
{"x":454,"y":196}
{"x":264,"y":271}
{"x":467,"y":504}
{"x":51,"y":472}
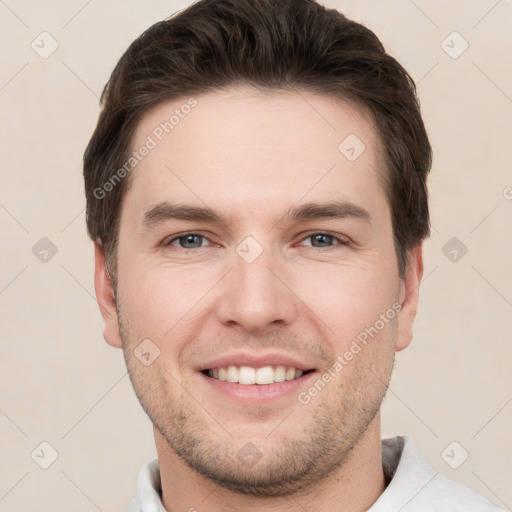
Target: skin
{"x":250,"y":156}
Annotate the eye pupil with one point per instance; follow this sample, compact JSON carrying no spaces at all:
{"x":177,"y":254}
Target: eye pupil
{"x":321,"y":240}
{"x":190,"y":241}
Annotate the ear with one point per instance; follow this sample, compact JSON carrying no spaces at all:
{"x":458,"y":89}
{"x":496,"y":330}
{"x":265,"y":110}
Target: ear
{"x":409,"y":295}
{"x":105,"y":297}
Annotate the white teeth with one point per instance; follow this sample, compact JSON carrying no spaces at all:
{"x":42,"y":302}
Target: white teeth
{"x":279,"y":374}
{"x":247,"y":375}
{"x":265,"y":375}
{"x":232,"y":373}
{"x":290,"y":374}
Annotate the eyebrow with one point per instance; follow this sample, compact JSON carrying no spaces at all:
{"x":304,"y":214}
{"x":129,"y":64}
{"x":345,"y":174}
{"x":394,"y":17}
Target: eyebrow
{"x":166,"y":211}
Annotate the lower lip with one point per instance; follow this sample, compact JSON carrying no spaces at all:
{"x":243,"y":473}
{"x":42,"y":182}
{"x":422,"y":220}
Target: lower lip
{"x":257,"y":393}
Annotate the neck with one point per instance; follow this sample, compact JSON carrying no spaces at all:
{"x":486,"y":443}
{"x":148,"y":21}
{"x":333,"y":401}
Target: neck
{"x":352,"y":487}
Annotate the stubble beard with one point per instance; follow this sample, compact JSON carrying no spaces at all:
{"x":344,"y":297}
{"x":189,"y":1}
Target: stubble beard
{"x":290,"y":466}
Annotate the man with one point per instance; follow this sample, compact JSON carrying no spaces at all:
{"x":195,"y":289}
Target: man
{"x":256,"y":192}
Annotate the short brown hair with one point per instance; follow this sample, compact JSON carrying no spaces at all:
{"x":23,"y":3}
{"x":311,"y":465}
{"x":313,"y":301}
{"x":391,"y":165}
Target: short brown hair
{"x":268,"y":44}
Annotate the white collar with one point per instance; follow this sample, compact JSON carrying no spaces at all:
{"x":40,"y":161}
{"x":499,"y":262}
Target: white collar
{"x":413,"y":485}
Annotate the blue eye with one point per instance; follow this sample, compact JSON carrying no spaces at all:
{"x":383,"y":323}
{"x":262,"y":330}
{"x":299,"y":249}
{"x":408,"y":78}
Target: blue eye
{"x":324,"y":240}
{"x":188,"y":241}
{"x":321,"y":240}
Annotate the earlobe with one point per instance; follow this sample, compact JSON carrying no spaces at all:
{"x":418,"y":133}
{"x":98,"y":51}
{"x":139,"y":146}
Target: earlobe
{"x":106,"y":298}
{"x":409,"y":296}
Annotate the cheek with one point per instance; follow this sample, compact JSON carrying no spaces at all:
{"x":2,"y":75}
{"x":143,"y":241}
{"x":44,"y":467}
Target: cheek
{"x":160,"y":301}
{"x":347,"y":299}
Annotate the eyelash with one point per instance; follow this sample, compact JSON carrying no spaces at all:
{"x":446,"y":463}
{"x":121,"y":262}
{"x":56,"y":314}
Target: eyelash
{"x":340,"y":241}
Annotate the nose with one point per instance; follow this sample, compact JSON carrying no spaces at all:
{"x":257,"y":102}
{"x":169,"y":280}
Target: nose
{"x":256,"y":296}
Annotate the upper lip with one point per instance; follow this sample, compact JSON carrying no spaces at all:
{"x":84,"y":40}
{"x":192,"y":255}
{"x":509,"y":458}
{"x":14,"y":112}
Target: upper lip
{"x":256,"y":361}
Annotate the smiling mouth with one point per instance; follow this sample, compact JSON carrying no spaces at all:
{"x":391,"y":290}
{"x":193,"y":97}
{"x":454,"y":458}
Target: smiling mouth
{"x":247,"y":375}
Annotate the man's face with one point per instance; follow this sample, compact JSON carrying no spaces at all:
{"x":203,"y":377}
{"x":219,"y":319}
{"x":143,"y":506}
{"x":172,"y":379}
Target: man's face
{"x":285,"y":259}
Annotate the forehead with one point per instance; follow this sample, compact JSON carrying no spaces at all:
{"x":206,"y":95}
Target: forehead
{"x":238,"y":148}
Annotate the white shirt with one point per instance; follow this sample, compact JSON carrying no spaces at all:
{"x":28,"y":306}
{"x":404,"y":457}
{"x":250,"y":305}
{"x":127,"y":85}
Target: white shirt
{"x":413,"y":485}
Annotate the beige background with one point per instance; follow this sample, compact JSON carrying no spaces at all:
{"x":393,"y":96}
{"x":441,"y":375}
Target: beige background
{"x":62,"y":384}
